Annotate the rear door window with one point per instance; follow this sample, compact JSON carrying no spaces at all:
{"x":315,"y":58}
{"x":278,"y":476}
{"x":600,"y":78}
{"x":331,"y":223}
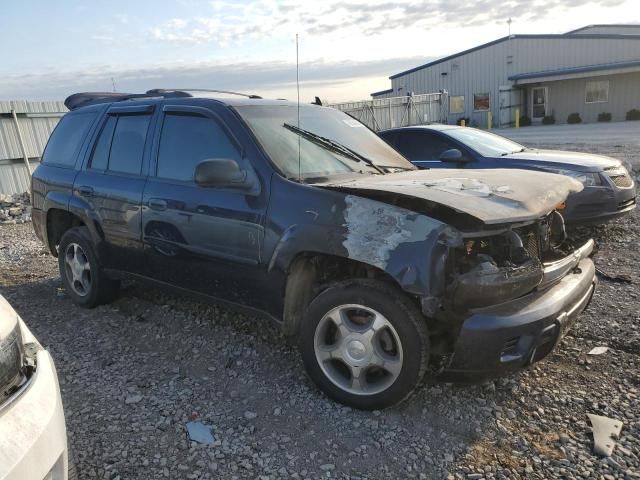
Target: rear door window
{"x":417,"y":145}
{"x":100,"y":157}
{"x":389,"y":137}
{"x":120,"y":145}
{"x":186,"y":140}
{"x":66,"y":139}
{"x":128,"y":142}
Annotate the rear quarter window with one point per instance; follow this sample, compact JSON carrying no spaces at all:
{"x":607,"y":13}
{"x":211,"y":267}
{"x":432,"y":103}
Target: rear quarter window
{"x":66,"y":139}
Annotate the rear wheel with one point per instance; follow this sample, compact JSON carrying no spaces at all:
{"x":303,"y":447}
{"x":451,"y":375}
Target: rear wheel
{"x":84,"y":280}
{"x":364,"y":344}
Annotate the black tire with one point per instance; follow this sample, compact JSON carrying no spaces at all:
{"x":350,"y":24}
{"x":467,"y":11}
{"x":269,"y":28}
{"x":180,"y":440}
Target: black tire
{"x":400,"y":312}
{"x":101,"y":289}
{"x":72,"y":470}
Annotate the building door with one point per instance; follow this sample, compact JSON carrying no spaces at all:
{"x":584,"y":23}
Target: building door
{"x":539,"y":103}
{"x":509,"y":104}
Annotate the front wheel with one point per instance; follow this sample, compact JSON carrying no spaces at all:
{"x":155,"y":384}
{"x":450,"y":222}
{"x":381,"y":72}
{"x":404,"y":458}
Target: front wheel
{"x":364,"y":343}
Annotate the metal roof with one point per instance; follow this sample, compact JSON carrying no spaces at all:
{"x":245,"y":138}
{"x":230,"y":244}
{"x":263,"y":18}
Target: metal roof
{"x":604,"y":25}
{"x":382,"y":92}
{"x":572,"y":70}
{"x":565,"y":36}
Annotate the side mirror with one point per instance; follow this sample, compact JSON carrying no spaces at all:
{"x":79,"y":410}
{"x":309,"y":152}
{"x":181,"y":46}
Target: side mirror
{"x":452,"y":155}
{"x":221,"y":172}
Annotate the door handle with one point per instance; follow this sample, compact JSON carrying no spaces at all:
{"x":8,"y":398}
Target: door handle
{"x":85,"y":190}
{"x":157,"y":204}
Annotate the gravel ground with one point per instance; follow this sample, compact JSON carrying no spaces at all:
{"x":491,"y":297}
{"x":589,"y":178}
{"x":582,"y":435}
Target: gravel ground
{"x":133,"y":373}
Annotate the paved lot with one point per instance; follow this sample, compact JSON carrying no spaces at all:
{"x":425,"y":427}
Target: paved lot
{"x":133,"y":373}
{"x":616,"y":133}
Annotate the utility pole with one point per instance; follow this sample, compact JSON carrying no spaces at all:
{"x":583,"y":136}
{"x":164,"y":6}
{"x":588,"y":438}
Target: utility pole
{"x":509,"y":23}
{"x":113,"y":83}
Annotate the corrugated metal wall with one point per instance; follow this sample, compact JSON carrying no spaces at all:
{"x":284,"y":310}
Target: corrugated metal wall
{"x":568,"y":96}
{"x":486,"y":70}
{"x":37,"y":120}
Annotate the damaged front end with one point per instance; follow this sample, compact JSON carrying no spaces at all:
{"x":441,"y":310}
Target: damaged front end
{"x":511,"y":296}
{"x":497,"y":278}
{"x":492,"y":269}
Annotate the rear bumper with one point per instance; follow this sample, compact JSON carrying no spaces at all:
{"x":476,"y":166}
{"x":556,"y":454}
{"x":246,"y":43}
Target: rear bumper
{"x":33,"y":439}
{"x":522,"y":331}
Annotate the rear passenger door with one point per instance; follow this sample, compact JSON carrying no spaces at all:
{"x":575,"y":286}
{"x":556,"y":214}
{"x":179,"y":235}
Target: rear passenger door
{"x":112,"y":181}
{"x":423,"y":148}
{"x":205,"y":239}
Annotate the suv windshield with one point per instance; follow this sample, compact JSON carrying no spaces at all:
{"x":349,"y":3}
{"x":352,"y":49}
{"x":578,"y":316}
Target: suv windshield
{"x":272,"y":125}
{"x":486,"y":144}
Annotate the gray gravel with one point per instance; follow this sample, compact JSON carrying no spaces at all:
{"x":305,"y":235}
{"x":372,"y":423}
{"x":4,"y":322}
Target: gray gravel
{"x":135,"y":372}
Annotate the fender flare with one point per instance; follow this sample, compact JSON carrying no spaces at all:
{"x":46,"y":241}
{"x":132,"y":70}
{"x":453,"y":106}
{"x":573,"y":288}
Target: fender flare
{"x":67,"y":202}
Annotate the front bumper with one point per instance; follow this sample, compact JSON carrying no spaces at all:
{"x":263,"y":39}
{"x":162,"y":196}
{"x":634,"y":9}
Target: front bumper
{"x":519,"y":332}
{"x":33,"y":439}
{"x":599,"y":204}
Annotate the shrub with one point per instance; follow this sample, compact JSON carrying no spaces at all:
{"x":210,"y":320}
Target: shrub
{"x":467,"y":121}
{"x":548,"y":120}
{"x":604,"y":117}
{"x":633,"y":114}
{"x":574,"y":118}
{"x":524,"y":121}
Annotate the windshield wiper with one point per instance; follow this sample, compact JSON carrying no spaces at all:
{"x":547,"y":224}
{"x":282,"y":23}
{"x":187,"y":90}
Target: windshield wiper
{"x":396,"y":167}
{"x":523,"y":149}
{"x":333,"y":145}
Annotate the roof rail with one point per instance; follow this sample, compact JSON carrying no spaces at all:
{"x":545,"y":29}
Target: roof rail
{"x":84,"y":99}
{"x":161,"y":91}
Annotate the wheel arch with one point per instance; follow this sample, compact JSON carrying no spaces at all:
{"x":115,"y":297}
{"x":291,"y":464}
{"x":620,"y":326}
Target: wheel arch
{"x":310,"y":272}
{"x":63,"y":212}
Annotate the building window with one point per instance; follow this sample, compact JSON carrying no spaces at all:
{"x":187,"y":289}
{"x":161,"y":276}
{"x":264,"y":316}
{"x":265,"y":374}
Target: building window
{"x":456,"y":104}
{"x":597,"y":92}
{"x":481,"y":102}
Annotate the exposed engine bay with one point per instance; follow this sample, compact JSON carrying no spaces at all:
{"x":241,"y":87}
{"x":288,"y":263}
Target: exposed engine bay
{"x":489,"y":270}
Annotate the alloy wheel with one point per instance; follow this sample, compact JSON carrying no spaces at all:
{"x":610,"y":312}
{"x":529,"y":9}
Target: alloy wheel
{"x":358,"y":349}
{"x":77,"y":269}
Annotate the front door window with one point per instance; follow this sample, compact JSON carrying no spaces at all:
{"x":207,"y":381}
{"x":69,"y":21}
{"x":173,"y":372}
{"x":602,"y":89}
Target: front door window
{"x":539,"y":102}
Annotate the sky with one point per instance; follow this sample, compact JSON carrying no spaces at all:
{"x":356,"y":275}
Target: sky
{"x":347,"y":48}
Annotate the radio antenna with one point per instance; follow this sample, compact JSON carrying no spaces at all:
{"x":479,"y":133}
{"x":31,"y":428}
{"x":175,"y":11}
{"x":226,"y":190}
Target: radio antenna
{"x":298,"y":89}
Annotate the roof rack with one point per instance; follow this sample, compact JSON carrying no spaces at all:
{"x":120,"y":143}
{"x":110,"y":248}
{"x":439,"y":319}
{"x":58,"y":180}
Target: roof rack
{"x":187,"y":90}
{"x":84,"y":99}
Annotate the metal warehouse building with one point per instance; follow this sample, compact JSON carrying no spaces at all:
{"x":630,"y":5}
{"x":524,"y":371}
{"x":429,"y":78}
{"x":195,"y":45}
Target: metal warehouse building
{"x":589,"y":71}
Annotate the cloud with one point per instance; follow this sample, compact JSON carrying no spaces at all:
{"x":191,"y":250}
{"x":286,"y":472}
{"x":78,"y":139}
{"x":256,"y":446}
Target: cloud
{"x":229,"y":23}
{"x":264,"y":78}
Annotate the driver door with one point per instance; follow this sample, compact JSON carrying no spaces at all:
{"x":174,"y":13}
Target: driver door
{"x":208,"y":240}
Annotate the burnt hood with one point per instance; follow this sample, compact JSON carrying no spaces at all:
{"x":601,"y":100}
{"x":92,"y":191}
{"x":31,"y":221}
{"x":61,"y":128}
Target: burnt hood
{"x":492,"y":196}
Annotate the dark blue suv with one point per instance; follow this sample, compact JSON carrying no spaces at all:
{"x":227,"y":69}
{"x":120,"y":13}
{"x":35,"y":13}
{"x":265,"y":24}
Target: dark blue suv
{"x":379,"y":271}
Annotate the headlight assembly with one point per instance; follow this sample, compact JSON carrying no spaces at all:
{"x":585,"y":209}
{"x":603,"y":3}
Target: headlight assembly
{"x":587,"y":179}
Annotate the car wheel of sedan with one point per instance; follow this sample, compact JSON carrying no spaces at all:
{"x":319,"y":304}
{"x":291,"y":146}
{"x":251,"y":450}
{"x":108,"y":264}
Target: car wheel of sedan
{"x":82,"y":276}
{"x":364,"y":343}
